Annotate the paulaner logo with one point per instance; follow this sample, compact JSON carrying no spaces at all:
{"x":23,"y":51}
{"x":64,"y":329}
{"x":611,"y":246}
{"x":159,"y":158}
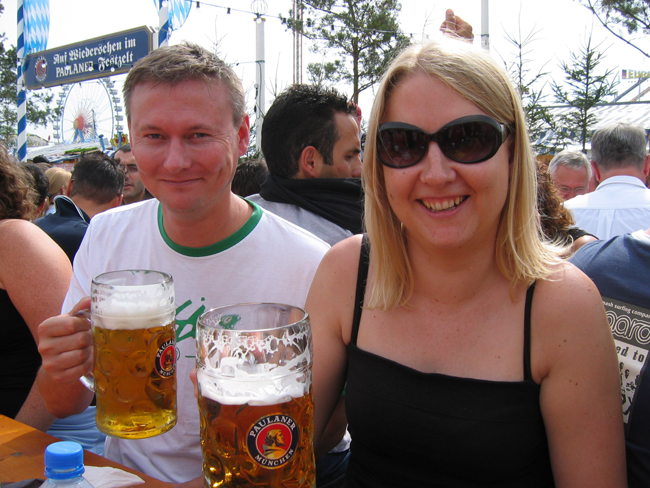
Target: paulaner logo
{"x":41,"y":69}
{"x":272,"y":440}
{"x":166,"y":359}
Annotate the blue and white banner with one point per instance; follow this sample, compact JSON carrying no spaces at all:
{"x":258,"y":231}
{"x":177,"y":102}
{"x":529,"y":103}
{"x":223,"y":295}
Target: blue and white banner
{"x":37,"y":25}
{"x":178,"y":11}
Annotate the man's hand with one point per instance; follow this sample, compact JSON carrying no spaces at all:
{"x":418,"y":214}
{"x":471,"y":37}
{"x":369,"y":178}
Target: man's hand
{"x":454,"y":26}
{"x":65,"y":344}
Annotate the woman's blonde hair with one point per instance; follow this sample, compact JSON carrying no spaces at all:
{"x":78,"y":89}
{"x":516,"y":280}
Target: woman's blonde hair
{"x":58,"y":177}
{"x":521,"y":254}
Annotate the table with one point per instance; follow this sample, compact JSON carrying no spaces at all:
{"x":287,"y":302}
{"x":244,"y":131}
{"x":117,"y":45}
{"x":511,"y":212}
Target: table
{"x":22,"y":448}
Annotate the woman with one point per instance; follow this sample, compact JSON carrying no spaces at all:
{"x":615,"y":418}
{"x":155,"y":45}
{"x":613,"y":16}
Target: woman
{"x":448,"y":383}
{"x":59,"y":181}
{"x":557,"y":222}
{"x":34,"y":278}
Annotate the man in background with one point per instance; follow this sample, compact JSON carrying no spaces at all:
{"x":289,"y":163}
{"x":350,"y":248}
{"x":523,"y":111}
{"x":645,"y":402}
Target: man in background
{"x":134,"y":190}
{"x":96,"y":185}
{"x":621,"y":202}
{"x":310,"y":141}
{"x":571,"y":173}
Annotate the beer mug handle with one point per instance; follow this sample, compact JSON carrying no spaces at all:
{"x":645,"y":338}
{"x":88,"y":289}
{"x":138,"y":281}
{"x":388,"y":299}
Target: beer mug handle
{"x":88,"y":380}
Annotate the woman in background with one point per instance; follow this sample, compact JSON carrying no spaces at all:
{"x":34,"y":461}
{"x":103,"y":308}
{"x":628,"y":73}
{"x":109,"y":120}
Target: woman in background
{"x":34,"y":278}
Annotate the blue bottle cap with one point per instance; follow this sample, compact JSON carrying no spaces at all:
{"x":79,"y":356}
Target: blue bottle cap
{"x":64,"y":460}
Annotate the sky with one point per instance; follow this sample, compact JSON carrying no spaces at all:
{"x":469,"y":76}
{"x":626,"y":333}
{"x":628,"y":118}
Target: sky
{"x":560,"y":27}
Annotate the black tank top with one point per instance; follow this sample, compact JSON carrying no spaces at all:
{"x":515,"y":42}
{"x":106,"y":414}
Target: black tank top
{"x":427,"y":429}
{"x":20,"y":358}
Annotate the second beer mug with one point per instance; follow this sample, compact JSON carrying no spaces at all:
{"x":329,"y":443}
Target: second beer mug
{"x":255,"y":397}
{"x":134,"y":348}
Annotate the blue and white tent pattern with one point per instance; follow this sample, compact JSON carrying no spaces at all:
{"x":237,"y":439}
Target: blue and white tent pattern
{"x":37,"y":25}
{"x":178,"y":11}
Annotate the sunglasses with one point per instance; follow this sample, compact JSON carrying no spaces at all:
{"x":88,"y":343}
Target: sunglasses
{"x":468,"y":140}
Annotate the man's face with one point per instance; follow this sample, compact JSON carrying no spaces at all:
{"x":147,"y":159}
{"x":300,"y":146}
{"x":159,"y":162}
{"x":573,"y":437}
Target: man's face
{"x":133,"y":186}
{"x":570,"y":182}
{"x":346,"y":157}
{"x":186,"y":144}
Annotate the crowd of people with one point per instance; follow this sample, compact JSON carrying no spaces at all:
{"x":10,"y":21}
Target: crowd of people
{"x":493,"y":307}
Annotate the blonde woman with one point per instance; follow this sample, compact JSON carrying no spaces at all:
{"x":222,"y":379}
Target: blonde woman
{"x":59,"y":181}
{"x":472,"y":354}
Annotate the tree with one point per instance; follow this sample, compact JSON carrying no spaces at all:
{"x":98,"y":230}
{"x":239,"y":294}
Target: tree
{"x":538,"y":117}
{"x":39,"y":111}
{"x":620,"y":16}
{"x":363,"y":34}
{"x":586,"y":89}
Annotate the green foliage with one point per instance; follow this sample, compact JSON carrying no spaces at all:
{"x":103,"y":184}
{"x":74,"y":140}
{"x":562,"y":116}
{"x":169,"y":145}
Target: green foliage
{"x":622,"y":18}
{"x":363,"y":36}
{"x":39,"y":111}
{"x":538,"y":117}
{"x":585,"y":89}
{"x":325,"y":73}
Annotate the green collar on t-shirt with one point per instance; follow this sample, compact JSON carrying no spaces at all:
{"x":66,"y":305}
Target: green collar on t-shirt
{"x":217,"y":247}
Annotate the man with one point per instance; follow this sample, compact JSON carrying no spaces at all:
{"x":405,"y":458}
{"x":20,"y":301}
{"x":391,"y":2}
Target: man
{"x":620,"y":268}
{"x":134,"y":190}
{"x":186,"y":114}
{"x":571,"y":173}
{"x":310,"y":141}
{"x":621,"y":202}
{"x":96,"y":185}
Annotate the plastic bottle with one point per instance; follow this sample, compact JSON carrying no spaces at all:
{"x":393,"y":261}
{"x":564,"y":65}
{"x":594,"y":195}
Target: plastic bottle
{"x":64,"y":466}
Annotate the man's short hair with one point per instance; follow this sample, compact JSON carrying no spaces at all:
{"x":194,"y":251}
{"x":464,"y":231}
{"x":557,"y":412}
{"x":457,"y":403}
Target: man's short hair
{"x":570,"y":159}
{"x":301,"y":116}
{"x":97,"y":177}
{"x":185,"y":62}
{"x":126,"y":148}
{"x":249,"y":176}
{"x":618,"y":146}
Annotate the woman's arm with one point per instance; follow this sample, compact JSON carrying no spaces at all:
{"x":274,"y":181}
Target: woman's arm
{"x":331,"y":305}
{"x":36,"y":273}
{"x":574,"y":356}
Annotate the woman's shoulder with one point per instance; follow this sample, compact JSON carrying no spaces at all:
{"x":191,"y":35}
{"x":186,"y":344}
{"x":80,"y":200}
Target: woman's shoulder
{"x":568,"y":317}
{"x":22,"y":239}
{"x":344,"y":253}
{"x":18,"y":232}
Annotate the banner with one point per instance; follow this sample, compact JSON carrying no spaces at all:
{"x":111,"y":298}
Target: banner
{"x":37,"y":25}
{"x":87,"y":60}
{"x":178,"y":11}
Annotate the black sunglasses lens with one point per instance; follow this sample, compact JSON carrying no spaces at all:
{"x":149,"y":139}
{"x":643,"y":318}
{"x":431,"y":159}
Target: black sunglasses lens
{"x":401,"y":148}
{"x":470,"y":142}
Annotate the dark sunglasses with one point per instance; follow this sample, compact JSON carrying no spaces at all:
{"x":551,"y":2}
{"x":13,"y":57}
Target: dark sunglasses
{"x":468,"y":140}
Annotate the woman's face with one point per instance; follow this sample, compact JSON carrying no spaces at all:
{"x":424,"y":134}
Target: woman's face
{"x":440,"y":202}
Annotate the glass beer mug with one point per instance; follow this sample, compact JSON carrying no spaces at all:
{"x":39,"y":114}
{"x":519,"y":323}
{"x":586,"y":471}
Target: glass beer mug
{"x":132,"y":313}
{"x":255,"y":397}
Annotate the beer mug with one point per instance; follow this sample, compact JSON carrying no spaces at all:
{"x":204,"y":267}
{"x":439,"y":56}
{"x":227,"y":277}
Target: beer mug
{"x":255,"y":397}
{"x":132,"y":314}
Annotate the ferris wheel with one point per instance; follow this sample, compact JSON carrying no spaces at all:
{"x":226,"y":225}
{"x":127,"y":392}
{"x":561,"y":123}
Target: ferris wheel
{"x":89,"y":109}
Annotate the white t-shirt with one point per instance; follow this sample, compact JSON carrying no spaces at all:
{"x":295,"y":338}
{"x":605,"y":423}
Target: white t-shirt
{"x":267,"y":260}
{"x":620,"y":204}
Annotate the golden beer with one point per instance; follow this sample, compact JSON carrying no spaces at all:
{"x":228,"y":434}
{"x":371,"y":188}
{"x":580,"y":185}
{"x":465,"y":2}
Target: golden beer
{"x":258,"y":445}
{"x":255,"y":397}
{"x":134,"y":353}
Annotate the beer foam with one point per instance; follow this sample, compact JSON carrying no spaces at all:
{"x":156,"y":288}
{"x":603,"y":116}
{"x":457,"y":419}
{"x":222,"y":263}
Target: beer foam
{"x":123,"y":315}
{"x":258,"y":392}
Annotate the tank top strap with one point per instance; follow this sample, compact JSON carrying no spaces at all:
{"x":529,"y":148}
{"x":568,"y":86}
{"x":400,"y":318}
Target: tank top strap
{"x":529,"y":300}
{"x":362,"y":275}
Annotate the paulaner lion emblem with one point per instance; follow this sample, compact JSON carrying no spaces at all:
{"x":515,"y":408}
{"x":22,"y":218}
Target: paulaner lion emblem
{"x":272,"y":440}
